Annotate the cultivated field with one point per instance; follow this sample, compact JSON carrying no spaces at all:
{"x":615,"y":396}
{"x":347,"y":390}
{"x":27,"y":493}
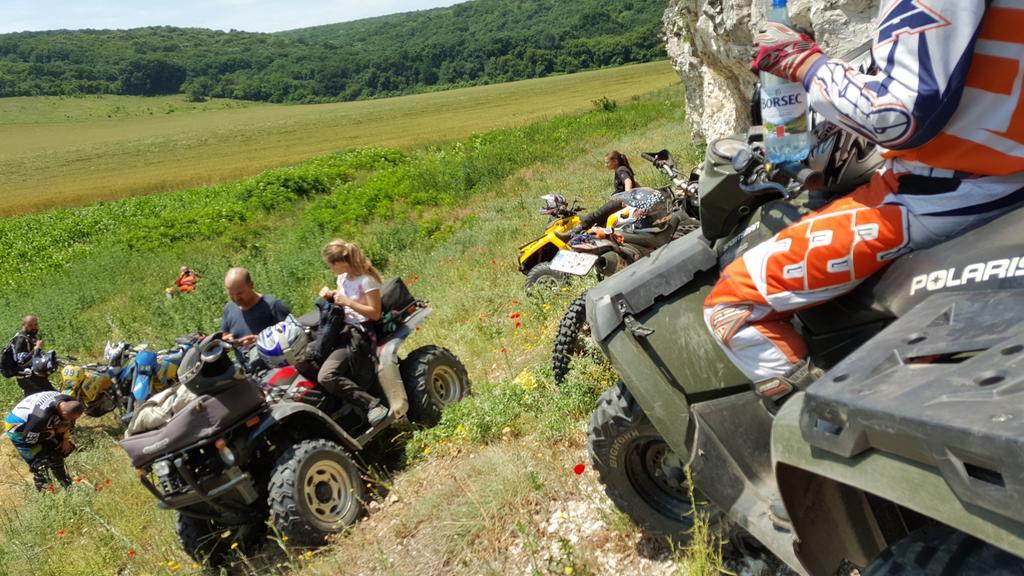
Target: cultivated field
{"x":61,"y":152}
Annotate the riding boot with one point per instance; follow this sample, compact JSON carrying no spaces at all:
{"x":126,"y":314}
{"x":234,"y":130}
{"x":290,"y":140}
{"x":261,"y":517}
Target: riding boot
{"x":774,"y":391}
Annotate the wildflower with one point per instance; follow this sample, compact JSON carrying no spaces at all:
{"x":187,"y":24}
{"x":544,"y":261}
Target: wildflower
{"x":417,"y":328}
{"x":285,"y":538}
{"x":519,"y":324}
{"x":514,"y":316}
{"x":107,"y":481}
{"x":50,"y":488}
{"x":234,"y":545}
{"x":504,"y":350}
{"x":308,"y":554}
{"x":494,"y":262}
{"x":131,"y":553}
{"x":225,"y":534}
{"x":60,"y":533}
{"x":547,"y":307}
{"x":568,"y":571}
{"x":78,"y":479}
{"x":459,"y":429}
{"x":515,"y":302}
{"x":99,"y":488}
{"x":579,"y":468}
{"x":426,"y":451}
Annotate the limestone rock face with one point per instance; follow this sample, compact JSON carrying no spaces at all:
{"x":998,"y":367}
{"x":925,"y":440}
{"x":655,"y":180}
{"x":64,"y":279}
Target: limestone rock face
{"x":710,"y":43}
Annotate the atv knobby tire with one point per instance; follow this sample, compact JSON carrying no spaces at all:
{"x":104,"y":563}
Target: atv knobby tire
{"x":570,"y":340}
{"x":433,"y":378}
{"x":686,"y":225}
{"x":640,"y":473}
{"x":942,"y":550}
{"x":315,"y":490}
{"x":542,"y":277}
{"x":205,"y":541}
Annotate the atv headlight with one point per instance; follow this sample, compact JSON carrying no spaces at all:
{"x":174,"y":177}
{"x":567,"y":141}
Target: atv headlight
{"x":162,"y":468}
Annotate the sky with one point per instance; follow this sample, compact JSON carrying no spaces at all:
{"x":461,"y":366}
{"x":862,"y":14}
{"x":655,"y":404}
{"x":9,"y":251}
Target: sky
{"x":248,"y":15}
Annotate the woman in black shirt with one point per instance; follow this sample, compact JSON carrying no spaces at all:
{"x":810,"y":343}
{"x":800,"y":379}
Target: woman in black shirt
{"x":624,"y":178}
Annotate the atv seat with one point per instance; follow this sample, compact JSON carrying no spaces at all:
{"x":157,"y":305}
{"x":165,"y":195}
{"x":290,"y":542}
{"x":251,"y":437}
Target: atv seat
{"x":201,"y":418}
{"x":310,"y":319}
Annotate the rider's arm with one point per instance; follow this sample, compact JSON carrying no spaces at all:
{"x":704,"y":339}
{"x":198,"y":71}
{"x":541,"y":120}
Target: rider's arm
{"x":22,"y":350}
{"x":923,"y":54}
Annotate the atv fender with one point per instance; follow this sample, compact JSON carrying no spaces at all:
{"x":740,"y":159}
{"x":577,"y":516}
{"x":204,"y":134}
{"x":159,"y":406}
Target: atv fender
{"x":308,"y":419}
{"x":388,"y":373}
{"x":929,"y":415}
{"x":648,"y":319}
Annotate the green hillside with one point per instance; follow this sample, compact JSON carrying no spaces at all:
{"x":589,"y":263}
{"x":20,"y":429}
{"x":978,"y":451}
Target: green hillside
{"x":478,"y":42}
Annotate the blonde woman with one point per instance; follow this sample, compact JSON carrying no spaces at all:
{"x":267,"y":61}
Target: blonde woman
{"x":349,"y":367}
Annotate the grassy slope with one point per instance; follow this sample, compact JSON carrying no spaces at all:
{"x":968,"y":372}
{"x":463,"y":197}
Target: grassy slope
{"x":46,"y":164}
{"x":476,"y":489}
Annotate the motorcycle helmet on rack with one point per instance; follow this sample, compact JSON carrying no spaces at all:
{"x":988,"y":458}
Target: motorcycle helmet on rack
{"x":208,"y":368}
{"x":553,"y":204}
{"x":283,"y":343}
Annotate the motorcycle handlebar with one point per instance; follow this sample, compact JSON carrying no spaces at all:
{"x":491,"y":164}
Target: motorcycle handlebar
{"x":806,"y":177}
{"x":647,"y":156}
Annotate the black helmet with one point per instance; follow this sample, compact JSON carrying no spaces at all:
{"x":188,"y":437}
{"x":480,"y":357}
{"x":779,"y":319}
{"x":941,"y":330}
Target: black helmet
{"x":651,"y":208}
{"x":44,"y":363}
{"x":207,"y":368}
{"x":844,"y":158}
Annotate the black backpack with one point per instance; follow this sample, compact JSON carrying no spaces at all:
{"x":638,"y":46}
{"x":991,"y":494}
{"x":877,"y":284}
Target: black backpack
{"x":8,"y":367}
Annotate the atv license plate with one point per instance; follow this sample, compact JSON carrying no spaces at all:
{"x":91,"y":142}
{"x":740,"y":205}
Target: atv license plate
{"x":575,"y":263}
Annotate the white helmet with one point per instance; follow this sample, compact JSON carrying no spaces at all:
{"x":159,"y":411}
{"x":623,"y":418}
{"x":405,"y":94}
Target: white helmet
{"x":553,"y":203}
{"x":283,"y":343}
{"x":116,"y":354}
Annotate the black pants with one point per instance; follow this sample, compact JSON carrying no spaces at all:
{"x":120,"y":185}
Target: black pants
{"x":34,"y":384}
{"x":342,"y":372}
{"x":49,"y":461}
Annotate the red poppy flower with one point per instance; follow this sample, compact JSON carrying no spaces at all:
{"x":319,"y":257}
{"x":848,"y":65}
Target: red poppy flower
{"x":519,"y":324}
{"x":504,"y":350}
{"x":107,"y":481}
{"x":131,"y":553}
{"x":515,"y":302}
{"x":417,"y":328}
{"x":60,"y":533}
{"x":494,"y":262}
{"x":514,"y":316}
{"x":578,"y":469}
{"x":99,"y":488}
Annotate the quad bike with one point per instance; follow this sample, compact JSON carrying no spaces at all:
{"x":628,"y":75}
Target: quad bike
{"x":904,"y":458}
{"x":535,"y":257}
{"x":235,"y":457}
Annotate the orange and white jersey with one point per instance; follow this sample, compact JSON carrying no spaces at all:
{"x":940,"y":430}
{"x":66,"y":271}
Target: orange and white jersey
{"x":949,"y":91}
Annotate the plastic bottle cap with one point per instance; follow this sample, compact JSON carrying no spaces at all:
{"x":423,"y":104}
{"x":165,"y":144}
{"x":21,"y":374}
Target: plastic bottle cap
{"x":779,"y":3}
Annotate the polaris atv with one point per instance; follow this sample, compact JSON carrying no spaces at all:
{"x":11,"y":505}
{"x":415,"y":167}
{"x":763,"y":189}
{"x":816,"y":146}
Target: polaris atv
{"x":904,"y":458}
{"x":231,"y":460}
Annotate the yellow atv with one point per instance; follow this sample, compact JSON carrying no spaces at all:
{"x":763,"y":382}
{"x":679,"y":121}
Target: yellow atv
{"x":535,"y":257}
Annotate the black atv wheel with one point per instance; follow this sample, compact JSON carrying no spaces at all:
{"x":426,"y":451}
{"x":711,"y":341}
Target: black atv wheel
{"x":210,"y":543}
{"x":641,"y":474}
{"x":433,"y":378}
{"x":542,"y":277}
{"x":939,"y":550}
{"x":571,"y":338}
{"x":315,"y":490}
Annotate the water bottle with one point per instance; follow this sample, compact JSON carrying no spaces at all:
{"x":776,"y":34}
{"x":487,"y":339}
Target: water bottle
{"x":783,"y":109}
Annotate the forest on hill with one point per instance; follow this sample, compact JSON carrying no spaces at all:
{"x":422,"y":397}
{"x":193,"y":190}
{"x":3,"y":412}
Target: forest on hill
{"x":477,"y":42}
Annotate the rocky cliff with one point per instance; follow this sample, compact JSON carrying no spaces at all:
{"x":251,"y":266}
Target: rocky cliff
{"x":710,"y":44}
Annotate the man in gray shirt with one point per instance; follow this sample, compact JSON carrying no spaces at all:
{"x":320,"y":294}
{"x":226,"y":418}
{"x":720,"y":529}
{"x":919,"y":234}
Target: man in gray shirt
{"x":248,"y":312}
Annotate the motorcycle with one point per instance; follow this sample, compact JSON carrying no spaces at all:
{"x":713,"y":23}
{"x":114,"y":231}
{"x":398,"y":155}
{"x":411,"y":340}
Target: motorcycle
{"x":155,"y":371}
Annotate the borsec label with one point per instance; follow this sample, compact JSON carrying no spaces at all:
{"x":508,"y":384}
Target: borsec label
{"x":784,"y":105}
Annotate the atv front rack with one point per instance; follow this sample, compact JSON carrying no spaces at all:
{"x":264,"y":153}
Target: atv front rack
{"x":943,"y":387}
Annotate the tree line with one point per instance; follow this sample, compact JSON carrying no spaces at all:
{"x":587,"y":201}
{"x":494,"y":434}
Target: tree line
{"x":478,"y":42}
